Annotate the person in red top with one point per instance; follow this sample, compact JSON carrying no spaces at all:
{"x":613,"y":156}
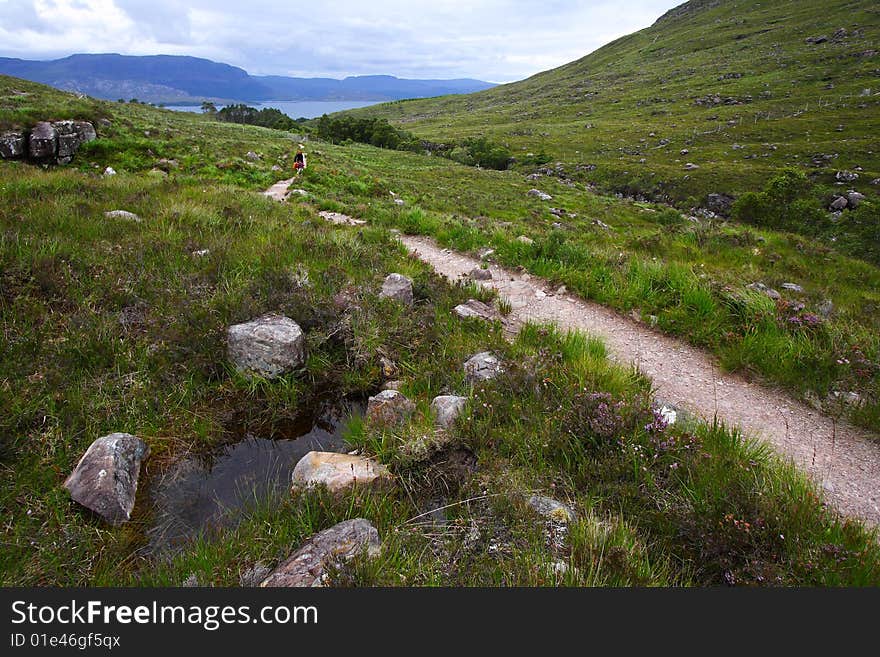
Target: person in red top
{"x":299,"y":160}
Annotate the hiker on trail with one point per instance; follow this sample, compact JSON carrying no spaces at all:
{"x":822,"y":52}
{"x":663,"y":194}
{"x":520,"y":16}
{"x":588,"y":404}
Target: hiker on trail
{"x":299,"y":160}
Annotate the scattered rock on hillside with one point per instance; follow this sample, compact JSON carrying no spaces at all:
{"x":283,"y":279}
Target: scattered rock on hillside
{"x":336,"y":471}
{"x":690,"y":166}
{"x":854,"y":199}
{"x":769,"y":291}
{"x":12,"y":145}
{"x":839,"y":203}
{"x":719,"y":203}
{"x":826,"y":308}
{"x":525,"y":240}
{"x":482,"y":367}
{"x":846,"y":176}
{"x":389,"y":407}
{"x":253,"y":157}
{"x":123,"y":214}
{"x":793,"y":287}
{"x":399,"y":288}
{"x":552,"y":509}
{"x":475,"y":309}
{"x":268,"y":346}
{"x":109,"y":171}
{"x":446,"y":408}
{"x":106,"y":477}
{"x":326,"y":549}
{"x":71,"y":135}
{"x":254,"y":575}
{"x":480,"y":274}
{"x":537,"y":193}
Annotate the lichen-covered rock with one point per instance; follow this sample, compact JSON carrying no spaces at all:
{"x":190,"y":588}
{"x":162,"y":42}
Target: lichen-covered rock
{"x":106,"y":477}
{"x":389,"y":407}
{"x":123,"y":214}
{"x":326,"y":549}
{"x":475,"y":309}
{"x":336,"y":471}
{"x":399,"y":288}
{"x":268,"y":346}
{"x":43,"y":142}
{"x":552,"y":509}
{"x":72,"y":135}
{"x":12,"y":145}
{"x":482,"y":367}
{"x":446,"y":409}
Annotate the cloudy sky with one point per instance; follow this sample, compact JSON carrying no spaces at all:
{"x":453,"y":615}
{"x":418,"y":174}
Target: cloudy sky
{"x":495,"y":40}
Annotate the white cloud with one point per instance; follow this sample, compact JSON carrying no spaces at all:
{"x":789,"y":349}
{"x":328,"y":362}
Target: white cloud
{"x":498,"y":40}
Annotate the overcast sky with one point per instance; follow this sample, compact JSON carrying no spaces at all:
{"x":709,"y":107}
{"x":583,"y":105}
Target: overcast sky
{"x":494,"y":40}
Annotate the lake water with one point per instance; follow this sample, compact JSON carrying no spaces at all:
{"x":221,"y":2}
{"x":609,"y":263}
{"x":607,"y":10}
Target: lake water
{"x":294,"y":109}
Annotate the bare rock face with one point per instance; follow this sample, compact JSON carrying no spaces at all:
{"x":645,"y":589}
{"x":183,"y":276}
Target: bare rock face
{"x":105,"y":479}
{"x":12,"y":145}
{"x":268,"y":346}
{"x":331,"y":547}
{"x":446,"y":409}
{"x":336,"y":471}
{"x":389,"y":407}
{"x":399,"y":288}
{"x":43,"y":142}
{"x":475,"y":309}
{"x":482,"y":367}
{"x":552,"y":509}
{"x":72,"y":135}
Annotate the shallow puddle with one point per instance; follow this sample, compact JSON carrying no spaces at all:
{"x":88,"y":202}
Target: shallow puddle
{"x":201,"y":493}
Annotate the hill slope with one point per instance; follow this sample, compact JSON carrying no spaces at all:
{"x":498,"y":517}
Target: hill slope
{"x":739,"y":88}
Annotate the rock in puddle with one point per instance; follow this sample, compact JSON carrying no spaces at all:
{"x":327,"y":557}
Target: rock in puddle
{"x":336,"y":471}
{"x":482,"y":367}
{"x":106,"y":477}
{"x":268,"y":346}
{"x":332,"y":547}
{"x":389,"y":407}
{"x":552,"y":509}
{"x":475,"y":309}
{"x":399,"y":288}
{"x":446,"y":409}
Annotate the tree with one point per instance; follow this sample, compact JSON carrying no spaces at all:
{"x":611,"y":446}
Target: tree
{"x":209,"y":107}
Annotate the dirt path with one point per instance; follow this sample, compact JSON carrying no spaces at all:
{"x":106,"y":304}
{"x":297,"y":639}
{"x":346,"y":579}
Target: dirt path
{"x":842,"y":458}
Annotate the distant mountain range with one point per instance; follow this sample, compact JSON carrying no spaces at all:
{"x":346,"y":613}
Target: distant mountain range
{"x":172,"y":79}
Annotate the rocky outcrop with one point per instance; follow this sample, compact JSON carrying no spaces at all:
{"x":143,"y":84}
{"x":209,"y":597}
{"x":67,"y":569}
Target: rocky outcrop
{"x":268,"y":346}
{"x":399,"y":288}
{"x":327,"y":549}
{"x":482,"y":367}
{"x":48,"y":142}
{"x":389,"y":407}
{"x":446,"y":409}
{"x":106,"y":477}
{"x":336,"y":471}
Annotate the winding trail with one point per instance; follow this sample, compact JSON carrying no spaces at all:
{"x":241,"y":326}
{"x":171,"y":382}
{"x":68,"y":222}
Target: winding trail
{"x":842,"y":458}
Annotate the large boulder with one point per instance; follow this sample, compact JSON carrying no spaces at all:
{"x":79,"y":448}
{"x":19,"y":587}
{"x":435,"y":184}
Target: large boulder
{"x":329,"y":548}
{"x":72,"y":135}
{"x":268,"y":346}
{"x":446,"y":409}
{"x":12,"y":145}
{"x":106,"y":477}
{"x":336,"y":471}
{"x":399,"y":288}
{"x":482,"y":367}
{"x":389,"y":407}
{"x":43,"y":142}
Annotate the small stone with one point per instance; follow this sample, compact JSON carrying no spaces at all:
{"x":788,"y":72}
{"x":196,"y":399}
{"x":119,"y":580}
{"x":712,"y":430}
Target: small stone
{"x":399,"y":201}
{"x":537,"y":193}
{"x":389,"y":368}
{"x":480,"y":274}
{"x":253,"y":157}
{"x":123,"y":214}
{"x":846,"y":176}
{"x":392,"y":385}
{"x":106,"y":477}
{"x":482,"y":367}
{"x":525,"y":240}
{"x":109,"y":171}
{"x":201,"y":253}
{"x":486,"y":253}
{"x":475,"y":309}
{"x":793,"y":287}
{"x":389,"y":407}
{"x":769,"y":291}
{"x":336,"y":471}
{"x":12,"y":145}
{"x":552,"y":509}
{"x":446,"y":409}
{"x":254,"y":575}
{"x":399,"y":288}
{"x":854,"y":198}
{"x":331,"y":547}
{"x":839,"y":203}
{"x":268,"y":346}
{"x":826,"y":308}
{"x":191,"y":582}
{"x":690,"y":166}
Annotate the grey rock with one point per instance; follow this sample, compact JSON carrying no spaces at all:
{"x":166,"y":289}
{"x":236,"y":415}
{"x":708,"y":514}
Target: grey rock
{"x":191,"y":582}
{"x":876,"y":181}
{"x":43,"y":142}
{"x":123,"y":214}
{"x":552,"y":509}
{"x":475,"y":309}
{"x":846,"y":176}
{"x":254,"y":575}
{"x":769,"y":291}
{"x":826,"y":308}
{"x":12,"y":145}
{"x":392,"y":385}
{"x":399,"y":201}
{"x":855,"y":198}
{"x":719,"y":203}
{"x":480,"y":274}
{"x":106,"y":477}
{"x":525,"y":240}
{"x":109,"y":171}
{"x":268,"y":346}
{"x":327,"y":549}
{"x":389,"y":407}
{"x":793,"y":287}
{"x":72,"y":135}
{"x":399,"y":288}
{"x":253,"y":157}
{"x":336,"y":471}
{"x":601,"y":224}
{"x":482,"y":367}
{"x":537,"y":193}
{"x":690,"y":166}
{"x":446,"y":409}
{"x":839,"y":203}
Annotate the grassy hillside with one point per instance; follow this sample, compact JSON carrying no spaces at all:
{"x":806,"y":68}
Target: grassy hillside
{"x":735,"y":83}
{"x":113,"y":325}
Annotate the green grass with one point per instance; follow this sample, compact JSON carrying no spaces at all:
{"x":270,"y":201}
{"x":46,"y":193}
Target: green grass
{"x":111,"y":325}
